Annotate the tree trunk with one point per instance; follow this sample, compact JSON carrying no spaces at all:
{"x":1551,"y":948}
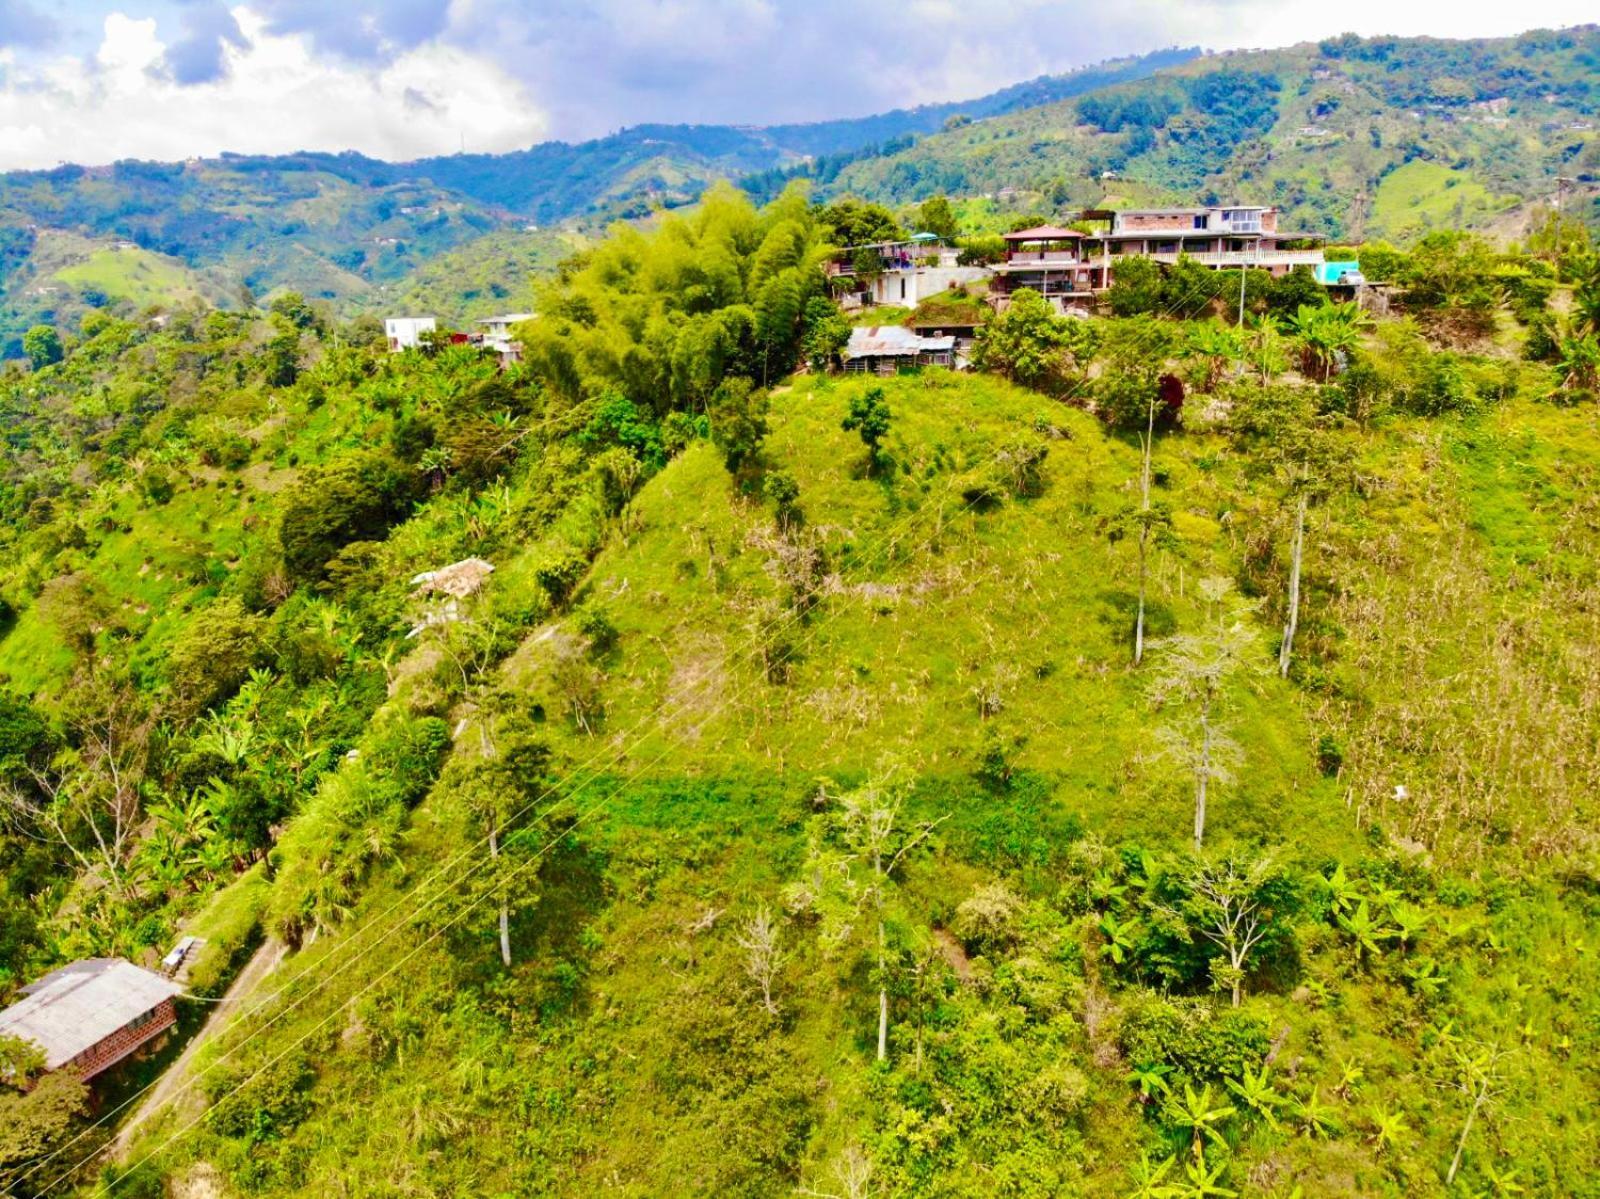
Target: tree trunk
{"x":1296,"y":555}
{"x":1144,"y":531}
{"x":1202,"y":774}
{"x":1461,"y":1145}
{"x":883,"y":998}
{"x":505,"y":900}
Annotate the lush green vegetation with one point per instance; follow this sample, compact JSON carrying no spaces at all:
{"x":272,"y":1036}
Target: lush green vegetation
{"x":1353,"y":138}
{"x":1159,"y":763}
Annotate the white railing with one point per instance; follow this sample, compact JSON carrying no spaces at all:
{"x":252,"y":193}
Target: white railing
{"x":1264,"y":258}
{"x":1066,"y":256}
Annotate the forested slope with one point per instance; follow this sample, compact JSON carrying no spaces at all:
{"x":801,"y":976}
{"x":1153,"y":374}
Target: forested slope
{"x":1355,"y":138}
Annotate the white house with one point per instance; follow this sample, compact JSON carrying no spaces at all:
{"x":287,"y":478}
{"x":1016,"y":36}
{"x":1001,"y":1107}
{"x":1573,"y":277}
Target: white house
{"x":497,"y":335}
{"x":907,"y":272}
{"x":405,"y":332}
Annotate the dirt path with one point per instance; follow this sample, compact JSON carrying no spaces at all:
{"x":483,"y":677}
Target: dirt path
{"x":262,"y":963}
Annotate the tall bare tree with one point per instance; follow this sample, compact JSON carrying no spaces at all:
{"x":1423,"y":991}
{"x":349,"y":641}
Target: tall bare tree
{"x":1191,"y":689}
{"x":764,"y":957}
{"x":856,"y":849}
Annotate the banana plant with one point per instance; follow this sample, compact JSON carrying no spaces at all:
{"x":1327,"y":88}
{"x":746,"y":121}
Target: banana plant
{"x":1198,"y":1114}
{"x":1368,"y":932}
{"x":1151,"y":1080}
{"x":1150,"y":1180}
{"x":1119,"y":938}
{"x":1316,"y":1118}
{"x":1204,"y":1183}
{"x":1256,"y":1092}
{"x":1342,"y":893}
{"x":1389,"y":1128}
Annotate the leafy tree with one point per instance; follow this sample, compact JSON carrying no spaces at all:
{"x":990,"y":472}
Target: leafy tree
{"x":935,"y":215}
{"x":1135,"y":286}
{"x":827,"y":333}
{"x":213,"y":655}
{"x":37,"y":1123}
{"x":42,"y":345}
{"x":850,"y":222}
{"x":738,"y":416}
{"x":1029,"y":344}
{"x":1239,"y":904}
{"x":354,"y":498}
{"x":869,"y":417}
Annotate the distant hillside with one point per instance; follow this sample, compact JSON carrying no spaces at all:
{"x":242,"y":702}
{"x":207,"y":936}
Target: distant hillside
{"x":352,"y":229}
{"x":630,"y":171}
{"x":1382,"y":137}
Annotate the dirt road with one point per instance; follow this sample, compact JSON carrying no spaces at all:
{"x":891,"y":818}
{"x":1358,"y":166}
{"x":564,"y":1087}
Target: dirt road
{"x":261,"y":964}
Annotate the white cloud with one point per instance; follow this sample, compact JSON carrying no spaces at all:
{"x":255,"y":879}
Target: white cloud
{"x":274,"y":96}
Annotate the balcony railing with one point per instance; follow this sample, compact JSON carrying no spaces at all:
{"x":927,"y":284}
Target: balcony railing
{"x":1051,"y":256}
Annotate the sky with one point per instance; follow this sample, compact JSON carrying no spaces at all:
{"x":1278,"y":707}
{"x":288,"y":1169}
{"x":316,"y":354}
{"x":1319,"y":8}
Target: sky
{"x":92,"y":81}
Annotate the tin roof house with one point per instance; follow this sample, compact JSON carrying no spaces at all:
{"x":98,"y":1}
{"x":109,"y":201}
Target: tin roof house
{"x":888,"y":349}
{"x":92,"y":1014}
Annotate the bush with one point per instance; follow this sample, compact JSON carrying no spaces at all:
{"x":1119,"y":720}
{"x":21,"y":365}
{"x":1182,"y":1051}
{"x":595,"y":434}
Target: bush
{"x":1198,"y":1041}
{"x":213,"y":655}
{"x":986,"y":921}
{"x":354,"y":499}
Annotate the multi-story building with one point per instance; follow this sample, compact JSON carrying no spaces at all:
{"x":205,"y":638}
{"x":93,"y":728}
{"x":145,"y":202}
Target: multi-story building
{"x":1058,"y":263}
{"x":1066,"y":265}
{"x":1225,"y":237}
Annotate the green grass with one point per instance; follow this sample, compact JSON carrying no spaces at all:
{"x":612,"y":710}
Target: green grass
{"x":1420,"y":196}
{"x":133,"y":275}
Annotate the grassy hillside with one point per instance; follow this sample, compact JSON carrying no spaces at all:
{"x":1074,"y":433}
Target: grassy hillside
{"x":1382,"y":137}
{"x":625,"y":1050}
{"x":786,"y":811}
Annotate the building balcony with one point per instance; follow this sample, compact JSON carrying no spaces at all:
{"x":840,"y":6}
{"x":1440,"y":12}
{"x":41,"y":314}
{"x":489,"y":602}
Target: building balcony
{"x":1026,"y":257}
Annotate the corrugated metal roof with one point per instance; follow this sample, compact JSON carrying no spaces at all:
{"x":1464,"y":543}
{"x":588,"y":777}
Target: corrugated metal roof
{"x":76,"y":1007}
{"x":892,"y":340}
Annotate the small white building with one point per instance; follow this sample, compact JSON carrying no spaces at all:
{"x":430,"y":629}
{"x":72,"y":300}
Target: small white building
{"x":906,"y":272}
{"x":497,"y":335}
{"x":405,"y":332}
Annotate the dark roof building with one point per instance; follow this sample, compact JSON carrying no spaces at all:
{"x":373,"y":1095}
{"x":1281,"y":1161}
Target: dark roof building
{"x":90,"y":1015}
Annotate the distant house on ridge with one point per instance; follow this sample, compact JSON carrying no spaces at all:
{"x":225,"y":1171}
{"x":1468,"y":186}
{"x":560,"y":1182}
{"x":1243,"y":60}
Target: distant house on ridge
{"x":405,"y":332}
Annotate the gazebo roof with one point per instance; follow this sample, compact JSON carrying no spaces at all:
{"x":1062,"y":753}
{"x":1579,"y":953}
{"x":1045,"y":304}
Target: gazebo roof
{"x":1043,"y":233}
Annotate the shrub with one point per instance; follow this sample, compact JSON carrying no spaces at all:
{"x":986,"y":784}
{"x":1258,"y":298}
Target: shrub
{"x":1195,"y":1039}
{"x":213,"y":655}
{"x":986,"y":921}
{"x":356,"y":498}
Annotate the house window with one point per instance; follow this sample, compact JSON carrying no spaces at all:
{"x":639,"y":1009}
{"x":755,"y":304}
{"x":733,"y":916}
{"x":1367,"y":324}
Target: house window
{"x":902,"y":289}
{"x":1200,"y":221}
